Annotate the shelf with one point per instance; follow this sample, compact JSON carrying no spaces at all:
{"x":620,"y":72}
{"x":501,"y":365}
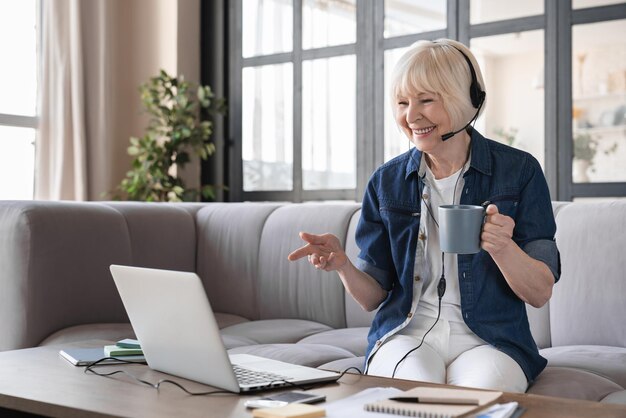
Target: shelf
{"x":595,"y":97}
{"x":601,"y":129}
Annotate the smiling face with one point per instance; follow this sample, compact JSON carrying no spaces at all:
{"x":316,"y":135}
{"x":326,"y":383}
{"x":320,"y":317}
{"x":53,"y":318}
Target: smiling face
{"x":423,"y":118}
{"x":430,"y":92}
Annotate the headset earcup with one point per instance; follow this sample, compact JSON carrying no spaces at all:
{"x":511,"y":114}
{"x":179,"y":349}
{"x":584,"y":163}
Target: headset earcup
{"x":477,"y":96}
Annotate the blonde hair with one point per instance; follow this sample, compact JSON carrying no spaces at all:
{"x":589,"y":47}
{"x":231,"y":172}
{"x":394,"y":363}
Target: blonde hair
{"x":438,"y":67}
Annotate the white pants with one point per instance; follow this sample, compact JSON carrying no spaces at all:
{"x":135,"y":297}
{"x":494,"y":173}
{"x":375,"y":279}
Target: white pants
{"x":462,"y":363}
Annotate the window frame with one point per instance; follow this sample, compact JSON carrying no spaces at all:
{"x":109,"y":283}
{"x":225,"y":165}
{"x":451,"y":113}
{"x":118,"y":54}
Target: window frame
{"x":296,"y":57}
{"x":565,"y":20}
{"x":556,"y":22}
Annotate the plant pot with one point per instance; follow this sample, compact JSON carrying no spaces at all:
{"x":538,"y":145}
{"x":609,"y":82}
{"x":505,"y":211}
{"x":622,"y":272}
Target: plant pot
{"x":579,"y":171}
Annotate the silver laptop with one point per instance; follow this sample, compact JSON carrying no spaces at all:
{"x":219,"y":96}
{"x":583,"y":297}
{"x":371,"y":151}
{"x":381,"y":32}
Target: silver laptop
{"x":175,"y":325}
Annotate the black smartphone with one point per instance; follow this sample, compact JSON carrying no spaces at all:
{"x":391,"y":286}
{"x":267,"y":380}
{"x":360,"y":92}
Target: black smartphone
{"x":284,"y":398}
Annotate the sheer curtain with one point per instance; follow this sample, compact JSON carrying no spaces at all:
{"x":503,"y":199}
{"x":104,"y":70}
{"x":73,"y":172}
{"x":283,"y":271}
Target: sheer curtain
{"x":95,"y":54}
{"x":61,"y":171}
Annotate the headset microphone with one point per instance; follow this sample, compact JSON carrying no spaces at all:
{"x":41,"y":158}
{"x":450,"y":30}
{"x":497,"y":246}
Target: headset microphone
{"x":449,"y":135}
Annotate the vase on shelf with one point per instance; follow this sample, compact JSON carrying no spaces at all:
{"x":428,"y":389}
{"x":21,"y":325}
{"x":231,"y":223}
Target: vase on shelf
{"x":579,"y":171}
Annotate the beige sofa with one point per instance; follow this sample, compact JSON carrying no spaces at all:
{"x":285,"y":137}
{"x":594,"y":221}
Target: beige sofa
{"x":56,"y":286}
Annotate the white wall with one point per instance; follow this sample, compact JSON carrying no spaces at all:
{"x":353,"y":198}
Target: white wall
{"x":514,"y":100}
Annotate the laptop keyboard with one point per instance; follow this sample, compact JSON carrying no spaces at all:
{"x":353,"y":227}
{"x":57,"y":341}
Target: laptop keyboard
{"x":254,"y":377}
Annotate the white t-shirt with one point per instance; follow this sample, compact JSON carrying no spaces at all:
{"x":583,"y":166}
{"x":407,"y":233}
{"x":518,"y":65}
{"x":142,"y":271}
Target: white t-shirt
{"x":450,"y":336}
{"x":440,"y":192}
{"x":427,"y":265}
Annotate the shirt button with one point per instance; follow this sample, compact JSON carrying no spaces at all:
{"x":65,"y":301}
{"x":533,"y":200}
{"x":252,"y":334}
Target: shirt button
{"x":425,"y":196}
{"x":422,"y":236}
{"x":417,"y":278}
{"x":409,"y":315}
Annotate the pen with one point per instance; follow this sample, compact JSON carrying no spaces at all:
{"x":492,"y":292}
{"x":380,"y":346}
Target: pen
{"x":441,"y":401}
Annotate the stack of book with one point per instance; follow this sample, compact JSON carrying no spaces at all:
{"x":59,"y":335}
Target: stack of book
{"x":126,"y":347}
{"x":121,"y":352}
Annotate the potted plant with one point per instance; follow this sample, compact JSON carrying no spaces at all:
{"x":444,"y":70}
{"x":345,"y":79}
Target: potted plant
{"x":585,"y":150}
{"x":175,"y":131}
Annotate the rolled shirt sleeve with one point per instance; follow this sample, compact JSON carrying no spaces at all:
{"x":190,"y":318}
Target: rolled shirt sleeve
{"x":545,"y":250}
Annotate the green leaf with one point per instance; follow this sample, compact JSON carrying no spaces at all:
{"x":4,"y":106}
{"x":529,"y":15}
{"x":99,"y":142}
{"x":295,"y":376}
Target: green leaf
{"x":208,"y":192}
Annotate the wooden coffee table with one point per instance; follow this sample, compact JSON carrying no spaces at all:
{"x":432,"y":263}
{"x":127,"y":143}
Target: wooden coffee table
{"x":38,"y":381}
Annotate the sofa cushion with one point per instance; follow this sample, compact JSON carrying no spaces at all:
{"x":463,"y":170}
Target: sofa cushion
{"x":567,"y":382}
{"x":609,"y":362}
{"x":344,"y":364}
{"x":232,"y":341}
{"x":110,"y":332}
{"x":539,"y":321}
{"x":615,"y":397}
{"x":162,"y":236}
{"x":296,"y":289}
{"x":312,"y":355}
{"x":226,"y":320}
{"x":271,"y":331}
{"x":352,"y":339}
{"x":54,"y":266}
{"x":356,"y":316}
{"x":587,"y":305}
{"x":229,"y":236}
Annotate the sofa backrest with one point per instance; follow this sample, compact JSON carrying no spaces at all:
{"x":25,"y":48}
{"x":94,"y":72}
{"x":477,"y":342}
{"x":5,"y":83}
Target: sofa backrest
{"x":296,"y":289}
{"x":588,"y":305}
{"x":539,"y":318}
{"x":161,"y":236}
{"x":229,"y":238}
{"x":54,"y":261}
{"x":355,"y":315}
{"x":55,"y":258}
{"x":242,"y":260}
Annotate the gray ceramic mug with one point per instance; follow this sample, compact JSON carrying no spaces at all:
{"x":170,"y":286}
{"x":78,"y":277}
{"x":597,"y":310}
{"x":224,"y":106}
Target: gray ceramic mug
{"x":459,"y":228}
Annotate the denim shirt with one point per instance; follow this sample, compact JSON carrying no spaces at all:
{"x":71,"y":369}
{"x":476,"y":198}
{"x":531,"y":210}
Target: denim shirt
{"x":388,"y":230}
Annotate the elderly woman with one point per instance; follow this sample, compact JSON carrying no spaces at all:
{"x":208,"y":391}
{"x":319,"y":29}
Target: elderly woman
{"x":474,"y":333}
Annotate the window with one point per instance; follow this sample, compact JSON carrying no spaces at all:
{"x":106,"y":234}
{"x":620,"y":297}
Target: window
{"x":267,"y":127}
{"x":18,"y":101}
{"x":328,"y":123}
{"x":308,"y":89}
{"x":404,"y":17}
{"x":298,"y":108}
{"x":482,"y":11}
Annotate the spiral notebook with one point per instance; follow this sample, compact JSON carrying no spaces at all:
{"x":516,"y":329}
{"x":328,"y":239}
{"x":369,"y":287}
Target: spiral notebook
{"x":435,"y":402}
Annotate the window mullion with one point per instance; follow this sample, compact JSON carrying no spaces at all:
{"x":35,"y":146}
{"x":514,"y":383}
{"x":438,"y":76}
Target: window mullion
{"x":297,"y":101}
{"x":563,"y":111}
{"x":378,"y":66}
{"x":365,"y":102}
{"x":19,"y":121}
{"x":452,"y":17}
{"x":235,"y":152}
{"x":463,"y":21}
